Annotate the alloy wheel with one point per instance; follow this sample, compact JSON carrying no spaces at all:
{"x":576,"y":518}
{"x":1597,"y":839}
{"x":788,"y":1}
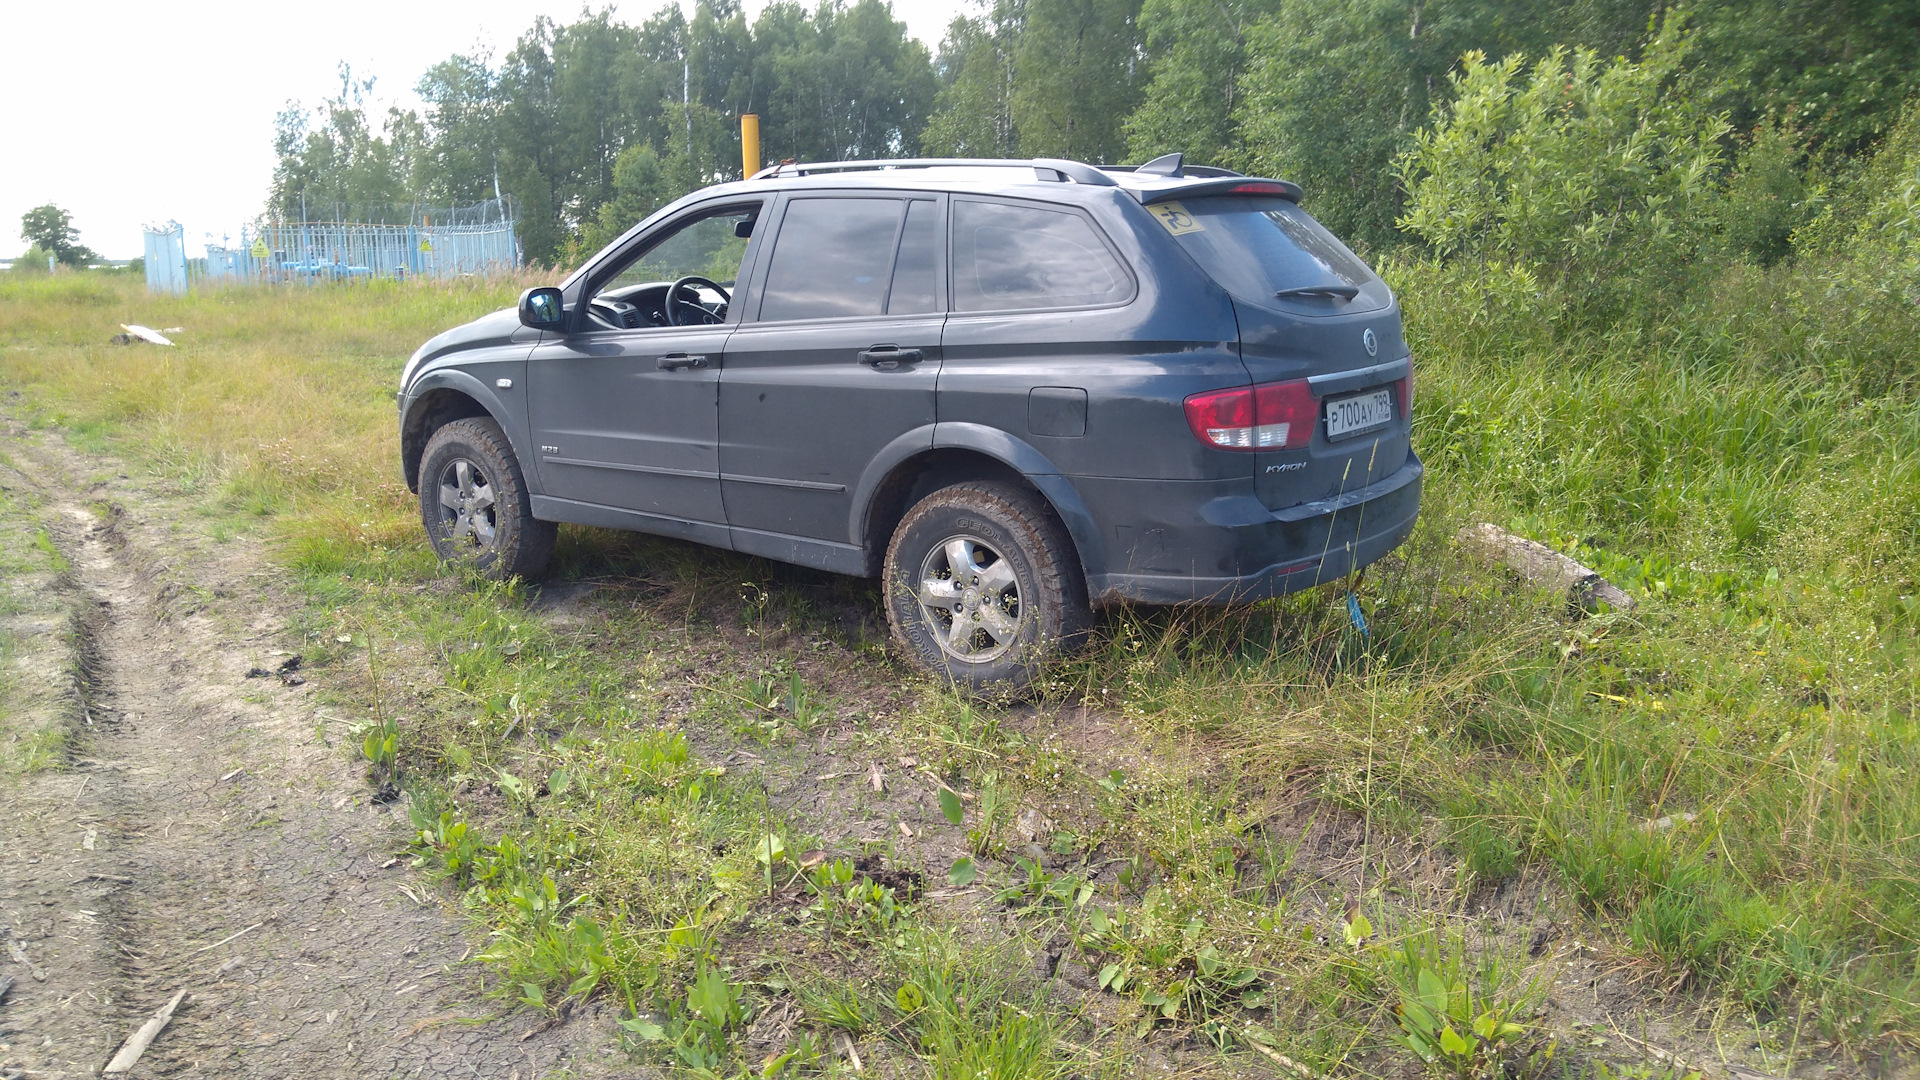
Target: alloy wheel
{"x":971,"y":599}
{"x":467,"y":507}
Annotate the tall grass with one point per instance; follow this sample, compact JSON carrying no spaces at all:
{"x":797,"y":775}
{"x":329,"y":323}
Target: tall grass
{"x":1725,"y":777}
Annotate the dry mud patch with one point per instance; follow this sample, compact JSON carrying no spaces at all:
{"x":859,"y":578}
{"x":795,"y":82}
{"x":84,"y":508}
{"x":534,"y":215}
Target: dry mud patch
{"x":200,"y":836}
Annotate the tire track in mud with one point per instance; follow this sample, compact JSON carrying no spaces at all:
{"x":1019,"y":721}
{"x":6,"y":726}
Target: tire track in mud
{"x":200,"y":806}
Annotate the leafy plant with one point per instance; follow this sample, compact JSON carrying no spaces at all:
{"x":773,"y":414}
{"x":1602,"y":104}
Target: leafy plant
{"x":699,"y":1025}
{"x":1176,"y":975}
{"x":1441,"y":1020}
{"x":380,"y":745}
{"x":951,"y":807}
{"x":1045,"y":888}
{"x":850,"y":901}
{"x":451,"y":842}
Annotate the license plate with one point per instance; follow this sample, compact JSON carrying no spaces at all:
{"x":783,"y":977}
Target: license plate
{"x":1357,"y":414}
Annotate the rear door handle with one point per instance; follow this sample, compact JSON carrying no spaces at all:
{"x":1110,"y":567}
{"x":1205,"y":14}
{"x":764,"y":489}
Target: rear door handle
{"x":676,"y":361}
{"x":889,"y":357}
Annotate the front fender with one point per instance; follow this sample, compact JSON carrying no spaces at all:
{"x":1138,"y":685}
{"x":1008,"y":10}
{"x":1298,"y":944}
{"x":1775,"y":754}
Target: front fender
{"x":509,"y":410}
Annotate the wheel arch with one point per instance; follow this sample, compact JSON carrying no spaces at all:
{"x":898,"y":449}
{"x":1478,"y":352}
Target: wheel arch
{"x":438,"y":400}
{"x":902,"y":475}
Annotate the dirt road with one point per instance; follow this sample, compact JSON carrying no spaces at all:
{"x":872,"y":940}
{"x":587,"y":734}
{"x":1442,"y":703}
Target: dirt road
{"x":202,"y":836}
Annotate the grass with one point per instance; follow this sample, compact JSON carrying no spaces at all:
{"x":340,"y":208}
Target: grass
{"x":1251,"y":831}
{"x":36,"y":712}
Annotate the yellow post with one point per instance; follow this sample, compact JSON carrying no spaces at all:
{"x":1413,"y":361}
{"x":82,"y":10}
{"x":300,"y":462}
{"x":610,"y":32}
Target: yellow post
{"x":750,"y":143}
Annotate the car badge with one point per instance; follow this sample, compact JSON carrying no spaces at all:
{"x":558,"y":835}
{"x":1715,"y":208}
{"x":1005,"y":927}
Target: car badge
{"x":1372,"y":343}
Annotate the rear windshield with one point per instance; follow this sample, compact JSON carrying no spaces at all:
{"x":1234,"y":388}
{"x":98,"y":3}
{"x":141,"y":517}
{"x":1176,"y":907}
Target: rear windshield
{"x":1269,"y":251}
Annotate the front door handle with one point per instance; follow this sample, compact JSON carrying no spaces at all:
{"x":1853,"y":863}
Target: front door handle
{"x":676,"y":361}
{"x":889,"y":357}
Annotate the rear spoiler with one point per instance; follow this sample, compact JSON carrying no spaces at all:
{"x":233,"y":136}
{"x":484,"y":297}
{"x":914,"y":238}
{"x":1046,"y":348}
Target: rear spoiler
{"x":1226,"y":185}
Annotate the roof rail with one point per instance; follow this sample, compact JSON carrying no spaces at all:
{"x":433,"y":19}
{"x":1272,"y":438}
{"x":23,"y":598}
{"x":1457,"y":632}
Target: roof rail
{"x":1061,"y":170}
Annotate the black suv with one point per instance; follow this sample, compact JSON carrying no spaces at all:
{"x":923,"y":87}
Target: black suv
{"x":1011,"y":390}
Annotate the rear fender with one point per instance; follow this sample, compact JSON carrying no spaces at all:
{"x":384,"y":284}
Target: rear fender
{"x":1018,"y":456}
{"x":1042,"y":474}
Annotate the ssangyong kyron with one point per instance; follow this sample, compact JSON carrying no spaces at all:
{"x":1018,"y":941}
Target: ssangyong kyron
{"x":1012,"y":390}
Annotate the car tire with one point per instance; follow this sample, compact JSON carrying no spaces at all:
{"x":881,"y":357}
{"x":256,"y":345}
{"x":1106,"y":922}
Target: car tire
{"x":474,"y":503}
{"x":983,"y":588}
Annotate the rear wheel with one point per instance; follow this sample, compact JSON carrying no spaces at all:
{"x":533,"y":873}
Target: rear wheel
{"x":982,"y":587}
{"x":474,"y":503}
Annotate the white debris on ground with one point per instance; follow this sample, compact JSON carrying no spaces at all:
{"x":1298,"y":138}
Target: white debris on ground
{"x":136,"y":332}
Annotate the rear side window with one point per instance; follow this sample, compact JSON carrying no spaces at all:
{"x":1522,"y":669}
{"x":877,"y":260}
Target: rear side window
{"x":1268,"y":250}
{"x":1008,"y":257}
{"x":833,"y":258}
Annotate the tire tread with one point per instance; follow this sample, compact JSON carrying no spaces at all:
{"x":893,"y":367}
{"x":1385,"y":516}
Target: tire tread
{"x":1048,"y":549}
{"x":531,"y":546}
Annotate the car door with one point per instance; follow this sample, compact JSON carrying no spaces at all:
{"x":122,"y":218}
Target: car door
{"x":838,"y":360}
{"x":627,"y":417}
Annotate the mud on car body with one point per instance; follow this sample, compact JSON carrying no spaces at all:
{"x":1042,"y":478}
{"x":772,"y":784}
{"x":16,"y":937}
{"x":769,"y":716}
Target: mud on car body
{"x":1011,"y":390}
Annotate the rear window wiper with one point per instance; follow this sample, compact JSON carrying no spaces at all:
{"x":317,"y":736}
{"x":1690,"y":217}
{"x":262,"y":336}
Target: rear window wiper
{"x":1344,"y":292}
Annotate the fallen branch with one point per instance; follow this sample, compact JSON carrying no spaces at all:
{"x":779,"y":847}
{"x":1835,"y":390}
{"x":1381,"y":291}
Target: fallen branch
{"x":846,"y":1044}
{"x":1540,"y":565}
{"x":226,"y":939}
{"x":1281,"y":1059}
{"x":19,"y":954}
{"x":137,"y":1043}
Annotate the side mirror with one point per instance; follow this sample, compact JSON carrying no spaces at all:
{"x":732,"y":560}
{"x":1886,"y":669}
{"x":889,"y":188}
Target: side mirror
{"x":541,"y":308}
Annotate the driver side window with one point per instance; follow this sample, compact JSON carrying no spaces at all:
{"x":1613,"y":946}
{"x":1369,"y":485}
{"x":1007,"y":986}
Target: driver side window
{"x":711,"y":245}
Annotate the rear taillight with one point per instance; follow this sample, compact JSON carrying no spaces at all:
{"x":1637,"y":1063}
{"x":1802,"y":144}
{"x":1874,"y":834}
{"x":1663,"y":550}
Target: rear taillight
{"x":1271,"y":416}
{"x":1406,"y":392}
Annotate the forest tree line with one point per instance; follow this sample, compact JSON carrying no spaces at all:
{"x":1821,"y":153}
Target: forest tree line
{"x":591,"y":125}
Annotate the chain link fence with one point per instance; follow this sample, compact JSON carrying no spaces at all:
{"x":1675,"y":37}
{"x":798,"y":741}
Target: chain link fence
{"x":438,"y":243}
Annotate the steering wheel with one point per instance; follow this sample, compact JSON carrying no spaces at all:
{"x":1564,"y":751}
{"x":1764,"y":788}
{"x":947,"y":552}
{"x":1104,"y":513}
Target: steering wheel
{"x":676,"y":307}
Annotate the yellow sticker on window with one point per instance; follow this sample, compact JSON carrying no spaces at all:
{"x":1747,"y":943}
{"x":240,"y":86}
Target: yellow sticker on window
{"x":1175,"y":218}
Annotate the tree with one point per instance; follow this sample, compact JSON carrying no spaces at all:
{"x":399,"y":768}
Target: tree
{"x":50,"y":229}
{"x":1080,"y":75}
{"x":844,"y":84}
{"x":640,"y":186}
{"x":1198,"y":55}
{"x":973,"y":115}
{"x":1335,"y":91}
{"x":345,"y":169}
{"x":1838,"y":69}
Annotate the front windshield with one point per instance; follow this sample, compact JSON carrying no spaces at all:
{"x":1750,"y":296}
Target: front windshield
{"x":710,"y":247}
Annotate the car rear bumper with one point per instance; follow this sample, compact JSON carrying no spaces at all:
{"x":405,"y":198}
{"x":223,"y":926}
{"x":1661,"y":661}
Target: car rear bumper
{"x":1234,"y":549}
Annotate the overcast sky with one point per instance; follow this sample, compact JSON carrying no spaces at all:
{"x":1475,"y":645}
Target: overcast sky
{"x":126,"y":113}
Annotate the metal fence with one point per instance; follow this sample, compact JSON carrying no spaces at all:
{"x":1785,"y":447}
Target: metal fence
{"x":165,"y":257}
{"x":473,"y":240}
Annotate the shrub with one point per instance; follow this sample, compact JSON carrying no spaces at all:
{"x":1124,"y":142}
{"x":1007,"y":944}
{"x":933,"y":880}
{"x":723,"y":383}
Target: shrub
{"x":33,"y":262}
{"x":1766,"y":197}
{"x":1600,"y":176}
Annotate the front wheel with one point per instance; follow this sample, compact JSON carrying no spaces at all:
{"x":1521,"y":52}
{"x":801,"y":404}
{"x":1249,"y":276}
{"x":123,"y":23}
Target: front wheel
{"x":474,"y":503}
{"x":982,"y":587}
